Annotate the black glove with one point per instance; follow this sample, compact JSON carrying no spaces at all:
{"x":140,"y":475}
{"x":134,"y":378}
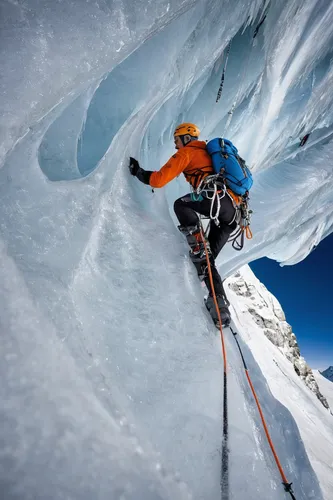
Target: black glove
{"x":140,"y":173}
{"x":133,"y":166}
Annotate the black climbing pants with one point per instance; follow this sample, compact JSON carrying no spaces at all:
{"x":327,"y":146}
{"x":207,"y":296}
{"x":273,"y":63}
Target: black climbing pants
{"x":187,"y":210}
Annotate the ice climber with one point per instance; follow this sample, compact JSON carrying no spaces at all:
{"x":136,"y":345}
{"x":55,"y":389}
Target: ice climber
{"x":193,"y":160}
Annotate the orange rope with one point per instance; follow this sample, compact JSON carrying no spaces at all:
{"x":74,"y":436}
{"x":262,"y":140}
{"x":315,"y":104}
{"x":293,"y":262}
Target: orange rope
{"x":287,"y":486}
{"x":283,"y":476}
{"x":266,"y":429}
{"x":248,"y":233}
{"x":224,"y":354}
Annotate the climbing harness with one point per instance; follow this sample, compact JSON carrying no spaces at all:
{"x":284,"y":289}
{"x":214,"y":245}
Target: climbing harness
{"x":237,"y":238}
{"x":224,"y":480}
{"x":219,"y":93}
{"x":286,"y":484}
{"x":213,"y":188}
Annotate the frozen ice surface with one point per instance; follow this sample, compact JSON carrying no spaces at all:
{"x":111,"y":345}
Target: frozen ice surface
{"x":111,"y":374}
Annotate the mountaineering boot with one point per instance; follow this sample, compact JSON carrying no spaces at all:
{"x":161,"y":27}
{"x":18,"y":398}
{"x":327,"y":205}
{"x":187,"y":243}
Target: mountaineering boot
{"x":199,"y":251}
{"x":196,"y":243}
{"x":223,"y":308}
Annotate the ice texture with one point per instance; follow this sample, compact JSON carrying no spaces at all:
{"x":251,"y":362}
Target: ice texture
{"x":111,"y":374}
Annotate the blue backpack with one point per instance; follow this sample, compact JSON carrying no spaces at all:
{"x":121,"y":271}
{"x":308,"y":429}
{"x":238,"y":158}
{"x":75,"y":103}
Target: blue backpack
{"x":226,"y":161}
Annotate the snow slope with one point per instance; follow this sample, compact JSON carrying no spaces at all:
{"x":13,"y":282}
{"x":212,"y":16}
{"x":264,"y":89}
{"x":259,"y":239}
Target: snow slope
{"x":111,"y":372}
{"x":326,"y":387}
{"x":315,"y":423}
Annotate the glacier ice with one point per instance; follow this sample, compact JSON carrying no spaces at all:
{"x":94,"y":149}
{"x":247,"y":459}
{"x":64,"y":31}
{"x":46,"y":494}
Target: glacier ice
{"x":109,"y":368}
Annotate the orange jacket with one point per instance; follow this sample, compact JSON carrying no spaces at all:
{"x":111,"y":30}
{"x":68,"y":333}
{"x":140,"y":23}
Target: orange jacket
{"x":193,"y":160}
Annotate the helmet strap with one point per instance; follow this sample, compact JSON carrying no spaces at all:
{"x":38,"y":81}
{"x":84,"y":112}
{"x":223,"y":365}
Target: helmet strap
{"x":186,"y":139}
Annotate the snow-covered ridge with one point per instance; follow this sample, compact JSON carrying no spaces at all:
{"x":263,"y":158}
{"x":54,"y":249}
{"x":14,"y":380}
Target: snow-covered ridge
{"x":265,"y":310}
{"x":313,"y":419}
{"x":325,"y":386}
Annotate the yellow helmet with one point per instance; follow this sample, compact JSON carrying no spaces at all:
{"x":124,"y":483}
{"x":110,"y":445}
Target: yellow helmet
{"x":187,"y":128}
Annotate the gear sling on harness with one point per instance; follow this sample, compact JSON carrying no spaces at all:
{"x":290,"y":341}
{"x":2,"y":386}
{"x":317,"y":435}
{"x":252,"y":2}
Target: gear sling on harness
{"x":213,"y":188}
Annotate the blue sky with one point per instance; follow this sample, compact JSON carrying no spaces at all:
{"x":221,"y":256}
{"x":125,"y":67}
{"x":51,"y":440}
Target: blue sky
{"x":305,"y":292}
